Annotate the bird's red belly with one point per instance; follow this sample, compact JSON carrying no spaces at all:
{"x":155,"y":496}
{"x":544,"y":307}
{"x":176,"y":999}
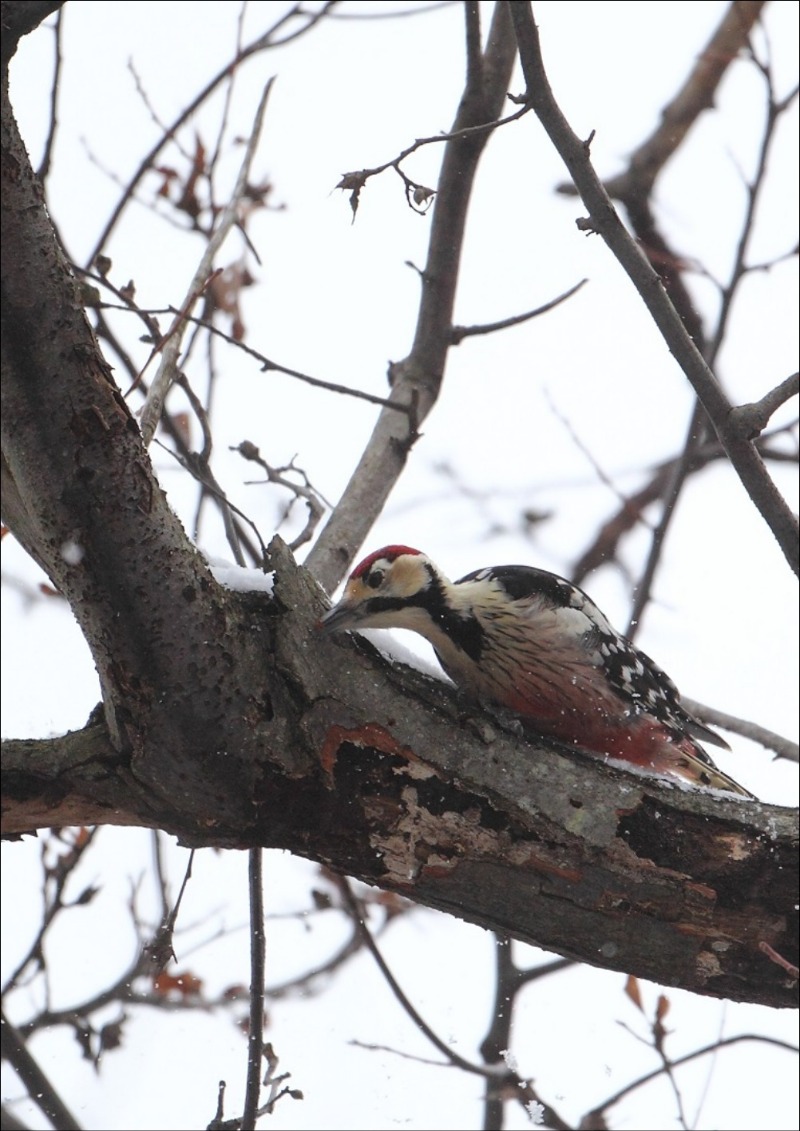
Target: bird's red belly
{"x":640,"y":739}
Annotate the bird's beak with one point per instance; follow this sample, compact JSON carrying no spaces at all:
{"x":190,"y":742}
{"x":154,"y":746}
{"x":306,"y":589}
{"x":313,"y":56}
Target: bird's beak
{"x":339,"y":618}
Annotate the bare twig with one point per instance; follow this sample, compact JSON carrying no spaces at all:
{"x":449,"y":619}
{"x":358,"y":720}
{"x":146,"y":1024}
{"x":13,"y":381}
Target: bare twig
{"x":255,"y":1032}
{"x":458,"y":333}
{"x":498,"y":1038}
{"x":779,"y":960}
{"x":151,"y":412}
{"x":44,"y":165}
{"x":495,"y":1071}
{"x":268,"y":39}
{"x":151,"y":110}
{"x":197,"y":464}
{"x":229,"y":87}
{"x":675,"y":482}
{"x":738,"y":419}
{"x":604,"y":547}
{"x":54,"y":900}
{"x":782,"y":747}
{"x":678,"y":1063}
{"x":752,"y":419}
{"x":200,"y":467}
{"x":417,"y":9}
{"x":420,"y":196}
{"x":39,"y":1087}
{"x":160,"y":950}
{"x":498,"y":1074}
{"x":603,"y":219}
{"x":775,"y":110}
{"x":268,"y":364}
{"x":695,"y":95}
{"x":316,"y":508}
{"x":208,"y":481}
{"x":634,"y":187}
{"x":417,"y":379}
{"x":496,"y":1045}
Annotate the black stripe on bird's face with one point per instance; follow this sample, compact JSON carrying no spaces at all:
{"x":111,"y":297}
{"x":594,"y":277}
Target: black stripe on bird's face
{"x":463,"y":629}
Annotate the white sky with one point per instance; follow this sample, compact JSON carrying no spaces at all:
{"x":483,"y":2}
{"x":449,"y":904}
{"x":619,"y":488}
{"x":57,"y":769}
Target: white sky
{"x":337,"y":300}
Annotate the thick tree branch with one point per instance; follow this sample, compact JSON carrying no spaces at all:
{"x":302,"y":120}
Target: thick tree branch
{"x":695,"y":95}
{"x":416,"y":380}
{"x":19,"y":20}
{"x":376,"y":772}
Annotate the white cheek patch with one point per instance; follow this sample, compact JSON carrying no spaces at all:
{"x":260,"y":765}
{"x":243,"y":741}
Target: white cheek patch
{"x":407,"y":577}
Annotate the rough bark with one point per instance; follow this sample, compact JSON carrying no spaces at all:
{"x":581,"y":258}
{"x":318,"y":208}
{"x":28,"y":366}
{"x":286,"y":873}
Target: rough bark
{"x":227,"y":721}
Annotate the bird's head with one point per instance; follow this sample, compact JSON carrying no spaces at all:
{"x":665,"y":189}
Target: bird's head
{"x":386,"y":590}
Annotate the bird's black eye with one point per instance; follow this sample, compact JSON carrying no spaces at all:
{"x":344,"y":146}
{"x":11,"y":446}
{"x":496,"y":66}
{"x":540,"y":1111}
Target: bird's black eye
{"x":375,"y":579}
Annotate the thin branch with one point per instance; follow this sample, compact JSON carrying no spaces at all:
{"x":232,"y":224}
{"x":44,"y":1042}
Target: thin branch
{"x":534,"y":973}
{"x":417,"y":379}
{"x":160,"y":873}
{"x":268,"y":364}
{"x":695,"y":95}
{"x":495,"y":1071}
{"x":741,"y":422}
{"x":160,"y":951}
{"x":417,"y":10}
{"x":39,"y":1087}
{"x":705,"y":1051}
{"x":496,"y":1045}
{"x":675,"y":482}
{"x":473,"y":44}
{"x":783,"y":747}
{"x":458,"y":333}
{"x":210,"y":484}
{"x":255,"y":1033}
{"x":775,"y":109}
{"x":498,"y":1074}
{"x":316,"y":508}
{"x":195,"y":463}
{"x":604,"y":547}
{"x":228,"y":100}
{"x":419,"y":196}
{"x":772,"y":954}
{"x":604,"y":220}
{"x":54,"y":903}
{"x":44,"y":165}
{"x":151,"y":412}
{"x":265,"y":41}
{"x":201,"y":469}
{"x":498,"y":1037}
{"x":752,"y":419}
{"x":659,"y":1034}
{"x":151,"y":110}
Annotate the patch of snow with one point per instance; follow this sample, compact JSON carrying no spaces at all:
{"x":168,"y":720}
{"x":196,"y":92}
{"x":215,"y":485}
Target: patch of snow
{"x":72,"y":552}
{"x":535,"y":1112}
{"x":238,"y":578}
{"x":510,"y":1060}
{"x":393,"y":650}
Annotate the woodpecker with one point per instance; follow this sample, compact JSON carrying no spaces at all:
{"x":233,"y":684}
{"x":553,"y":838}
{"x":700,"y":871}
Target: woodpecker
{"x":531,"y":642}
